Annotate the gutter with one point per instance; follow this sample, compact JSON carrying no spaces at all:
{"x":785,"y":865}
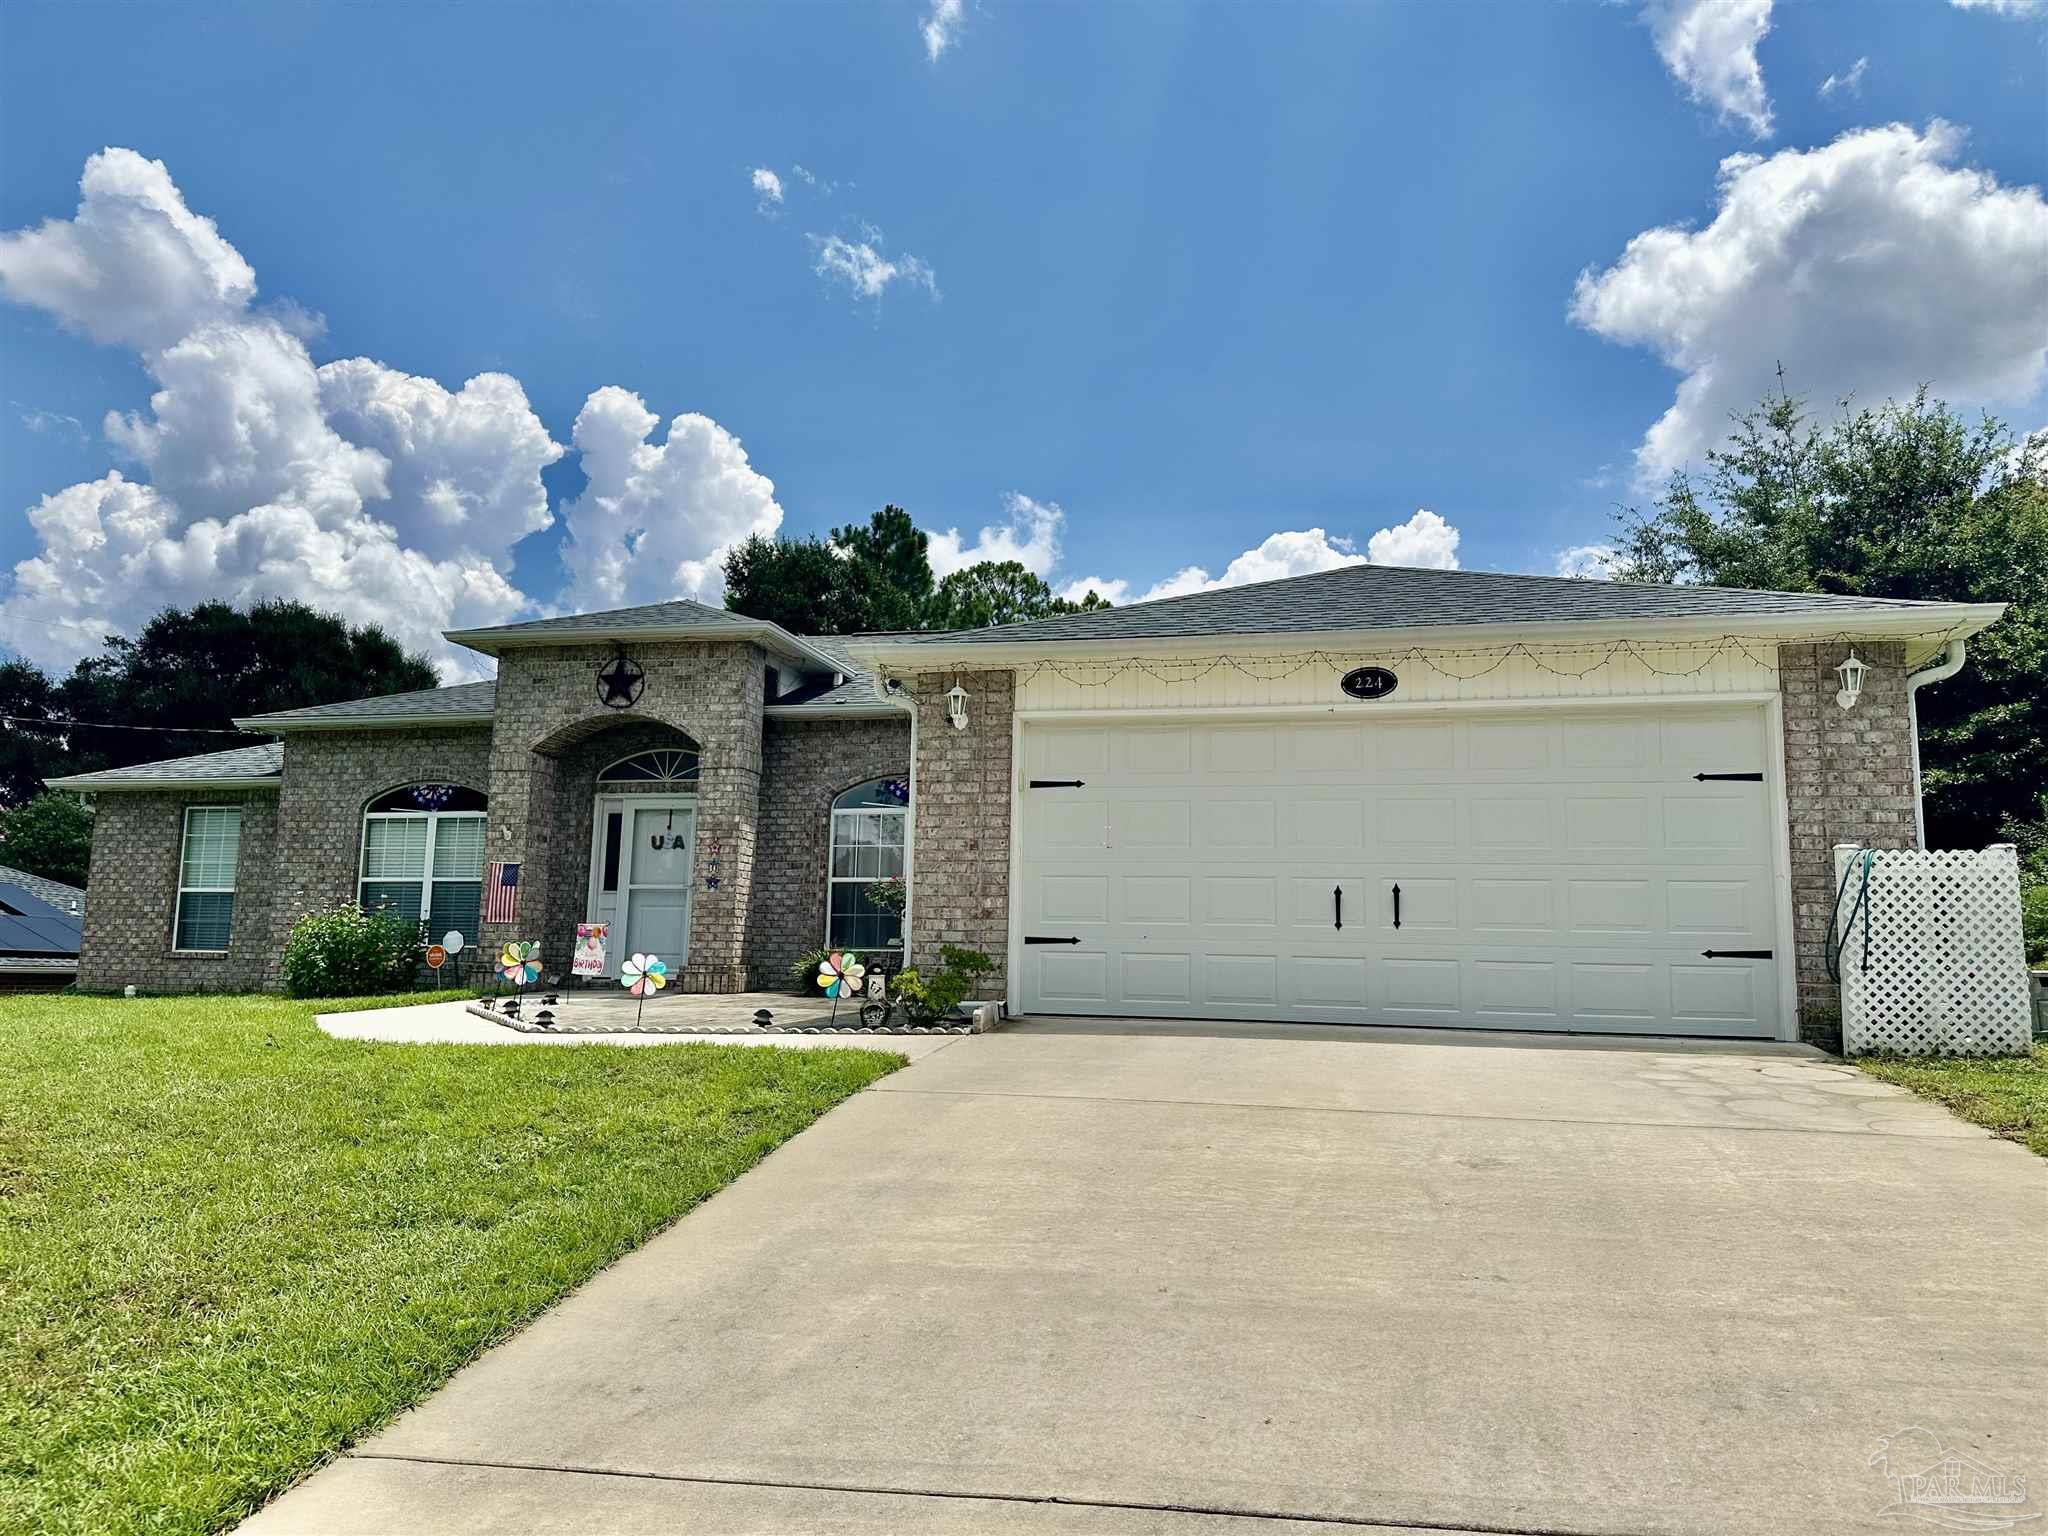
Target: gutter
{"x":884,"y":655}
{"x":271,"y":725}
{"x":86,"y":784}
{"x":1950,"y":664}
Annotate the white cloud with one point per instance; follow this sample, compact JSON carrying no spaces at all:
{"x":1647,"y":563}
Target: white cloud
{"x":767,"y":189}
{"x":53,"y":424}
{"x":1111,"y":590}
{"x":941,"y":26}
{"x":2003,"y":7}
{"x":134,"y":267}
{"x":1281,"y":554}
{"x":1590,"y":562}
{"x":1710,"y":48}
{"x":863,"y":268}
{"x":1867,"y":266}
{"x":1425,"y":540}
{"x":1031,"y":537}
{"x":657,"y":518}
{"x":1849,"y":82}
{"x":355,"y":487}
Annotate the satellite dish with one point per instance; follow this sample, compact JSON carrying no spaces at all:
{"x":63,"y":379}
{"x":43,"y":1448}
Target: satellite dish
{"x":452,"y":941}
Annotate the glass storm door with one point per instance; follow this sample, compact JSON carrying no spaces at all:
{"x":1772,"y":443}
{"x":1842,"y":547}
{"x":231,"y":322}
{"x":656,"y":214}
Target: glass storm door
{"x":660,"y":847}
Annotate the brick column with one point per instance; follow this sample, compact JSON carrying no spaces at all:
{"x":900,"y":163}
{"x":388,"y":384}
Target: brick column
{"x":1848,"y":779}
{"x":960,"y":855}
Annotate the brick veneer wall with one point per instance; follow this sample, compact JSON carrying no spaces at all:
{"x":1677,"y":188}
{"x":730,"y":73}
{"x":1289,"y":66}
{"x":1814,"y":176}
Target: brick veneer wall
{"x":547,"y":707}
{"x":1848,"y":779}
{"x":960,"y":859}
{"x":330,"y":778}
{"x":138,"y":840}
{"x":805,"y":764}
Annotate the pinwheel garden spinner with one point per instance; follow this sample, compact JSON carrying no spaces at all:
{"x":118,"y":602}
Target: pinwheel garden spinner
{"x":839,"y":974}
{"x":643,"y":976}
{"x":519,"y":962}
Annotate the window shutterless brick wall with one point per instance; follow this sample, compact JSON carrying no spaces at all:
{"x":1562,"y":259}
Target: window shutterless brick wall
{"x":132,"y":897}
{"x":1848,"y":779}
{"x":805,"y":764}
{"x":960,"y":859}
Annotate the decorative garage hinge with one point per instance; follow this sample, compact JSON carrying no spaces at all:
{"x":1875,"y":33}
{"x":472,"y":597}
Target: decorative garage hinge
{"x":1736,"y":954}
{"x":1039,"y":938}
{"x":1054,"y":784}
{"x":1745,"y":778}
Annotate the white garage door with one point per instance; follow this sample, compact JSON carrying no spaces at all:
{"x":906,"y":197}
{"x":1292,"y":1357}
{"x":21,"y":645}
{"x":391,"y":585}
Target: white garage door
{"x":1601,"y":871}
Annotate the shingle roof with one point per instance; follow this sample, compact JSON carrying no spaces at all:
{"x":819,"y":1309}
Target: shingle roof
{"x":857,"y":692}
{"x":682,"y":611}
{"x":460,"y":701}
{"x":1355,"y":597}
{"x":55,"y":892}
{"x":238,"y":764}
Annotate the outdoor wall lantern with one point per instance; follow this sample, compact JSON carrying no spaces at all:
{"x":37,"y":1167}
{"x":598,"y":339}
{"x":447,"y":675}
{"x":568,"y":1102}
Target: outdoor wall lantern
{"x":1851,"y":690}
{"x":956,"y":705}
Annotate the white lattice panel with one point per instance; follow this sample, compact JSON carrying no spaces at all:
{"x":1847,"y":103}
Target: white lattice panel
{"x":1933,"y":962}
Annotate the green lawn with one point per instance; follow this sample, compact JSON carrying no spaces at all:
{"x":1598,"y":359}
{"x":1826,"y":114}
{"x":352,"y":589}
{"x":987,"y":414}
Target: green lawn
{"x":2005,"y":1094}
{"x":230,"y":1245}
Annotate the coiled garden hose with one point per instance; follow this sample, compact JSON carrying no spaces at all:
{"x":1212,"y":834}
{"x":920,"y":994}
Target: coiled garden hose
{"x":1838,"y":931}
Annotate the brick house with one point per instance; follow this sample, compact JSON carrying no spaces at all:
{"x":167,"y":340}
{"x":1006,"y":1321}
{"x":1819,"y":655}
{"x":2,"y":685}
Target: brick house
{"x":1370,"y":794}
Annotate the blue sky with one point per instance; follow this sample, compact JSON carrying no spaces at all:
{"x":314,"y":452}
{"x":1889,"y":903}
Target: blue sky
{"x":1197,"y":276}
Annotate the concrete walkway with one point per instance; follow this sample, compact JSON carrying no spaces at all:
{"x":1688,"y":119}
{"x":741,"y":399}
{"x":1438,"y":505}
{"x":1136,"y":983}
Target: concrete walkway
{"x":1122,"y":1280}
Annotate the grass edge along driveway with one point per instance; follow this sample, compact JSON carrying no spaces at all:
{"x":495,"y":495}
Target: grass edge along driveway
{"x":2007,"y":1095}
{"x":231,"y":1245}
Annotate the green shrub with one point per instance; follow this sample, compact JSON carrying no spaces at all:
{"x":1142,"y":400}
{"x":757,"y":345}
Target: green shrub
{"x":348,"y":952}
{"x":2034,"y":921}
{"x":929,"y":1000}
{"x":803,"y":973}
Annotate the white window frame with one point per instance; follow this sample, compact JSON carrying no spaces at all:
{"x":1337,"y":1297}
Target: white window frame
{"x":178,"y":908}
{"x":831,"y":860}
{"x":427,"y":877}
{"x":681,"y":784}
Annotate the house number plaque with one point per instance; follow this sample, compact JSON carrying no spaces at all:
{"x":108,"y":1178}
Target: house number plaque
{"x":1369,"y":682}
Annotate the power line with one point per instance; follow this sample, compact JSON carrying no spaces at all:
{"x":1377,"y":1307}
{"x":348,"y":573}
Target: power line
{"x":108,"y":725}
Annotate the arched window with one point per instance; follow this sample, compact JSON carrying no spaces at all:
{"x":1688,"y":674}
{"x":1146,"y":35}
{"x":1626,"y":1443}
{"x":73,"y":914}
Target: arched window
{"x":867,"y":845}
{"x":423,"y":856}
{"x":674,"y":766}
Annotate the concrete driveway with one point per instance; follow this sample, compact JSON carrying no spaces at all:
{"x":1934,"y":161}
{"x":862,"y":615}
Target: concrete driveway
{"x":1118,"y":1279}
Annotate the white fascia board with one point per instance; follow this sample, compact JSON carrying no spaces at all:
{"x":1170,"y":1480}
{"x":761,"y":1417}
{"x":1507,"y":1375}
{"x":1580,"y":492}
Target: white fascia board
{"x":832,"y":711}
{"x":269,"y":725}
{"x":1936,"y":622}
{"x":89,"y":784}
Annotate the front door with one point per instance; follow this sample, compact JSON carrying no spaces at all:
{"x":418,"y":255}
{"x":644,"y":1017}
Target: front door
{"x":642,"y":851}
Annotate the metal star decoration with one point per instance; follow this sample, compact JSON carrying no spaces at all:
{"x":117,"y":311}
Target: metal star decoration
{"x":620,"y":682}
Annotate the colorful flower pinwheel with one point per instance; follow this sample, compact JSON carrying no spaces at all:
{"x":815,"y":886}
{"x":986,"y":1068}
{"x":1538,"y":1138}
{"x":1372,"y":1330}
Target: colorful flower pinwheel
{"x":840,"y":974}
{"x":519,"y":962}
{"x":643,"y":975}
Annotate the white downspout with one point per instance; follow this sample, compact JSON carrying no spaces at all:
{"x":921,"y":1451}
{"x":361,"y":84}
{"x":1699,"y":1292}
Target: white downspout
{"x":1950,"y":664}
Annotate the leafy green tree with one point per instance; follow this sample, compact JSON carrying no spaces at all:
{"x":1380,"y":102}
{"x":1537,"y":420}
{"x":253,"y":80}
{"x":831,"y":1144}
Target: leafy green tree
{"x":50,"y":836}
{"x":998,"y":592}
{"x":800,"y":584}
{"x":193,"y":671}
{"x":30,"y":750}
{"x":1904,"y":501}
{"x":892,"y":555}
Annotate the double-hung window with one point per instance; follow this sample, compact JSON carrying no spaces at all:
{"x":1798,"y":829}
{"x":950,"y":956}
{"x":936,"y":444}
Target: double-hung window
{"x":867,"y":845}
{"x":423,"y":857}
{"x":212,"y":845}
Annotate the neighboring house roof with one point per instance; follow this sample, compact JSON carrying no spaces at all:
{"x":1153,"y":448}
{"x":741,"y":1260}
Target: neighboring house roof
{"x":678,"y":620}
{"x":37,"y":934}
{"x":460,"y":704}
{"x":1360,"y":598}
{"x":258,"y":767}
{"x":69,"y":898}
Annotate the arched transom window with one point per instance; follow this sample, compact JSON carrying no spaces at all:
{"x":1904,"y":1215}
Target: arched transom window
{"x":867,"y":846}
{"x":675,"y":766}
{"x":423,"y":856}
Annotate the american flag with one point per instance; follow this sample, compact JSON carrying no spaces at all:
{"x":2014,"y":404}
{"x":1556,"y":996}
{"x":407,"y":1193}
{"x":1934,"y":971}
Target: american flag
{"x":501,"y":892}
